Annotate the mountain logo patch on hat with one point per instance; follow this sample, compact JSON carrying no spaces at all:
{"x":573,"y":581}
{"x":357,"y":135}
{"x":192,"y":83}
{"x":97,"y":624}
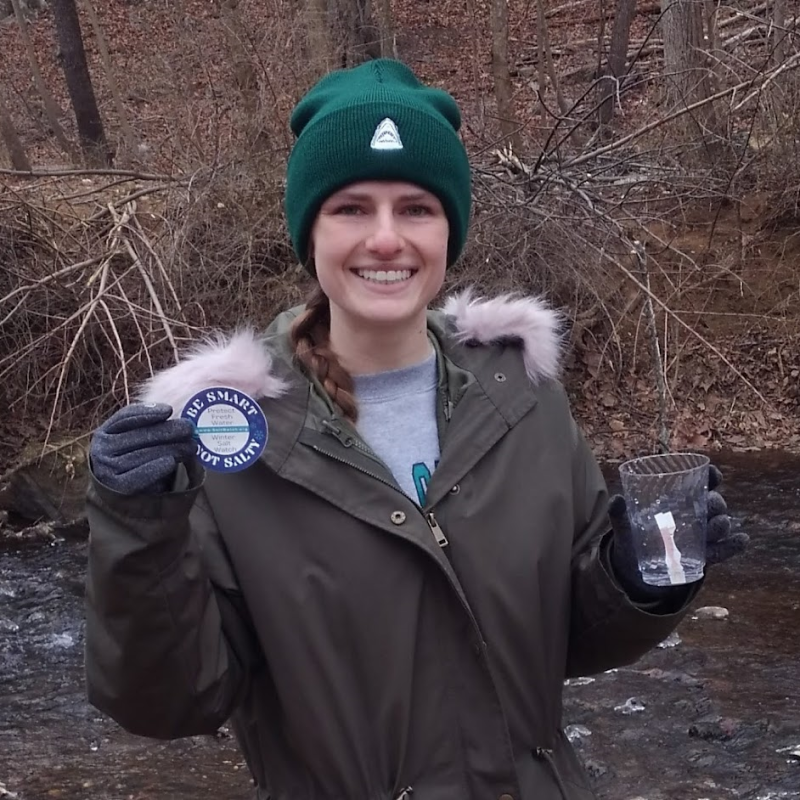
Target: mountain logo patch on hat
{"x":386,"y":136}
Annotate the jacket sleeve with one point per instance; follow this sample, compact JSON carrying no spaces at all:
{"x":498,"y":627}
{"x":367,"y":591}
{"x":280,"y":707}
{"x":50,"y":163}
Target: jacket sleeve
{"x":607,"y":628}
{"x":168,"y":648}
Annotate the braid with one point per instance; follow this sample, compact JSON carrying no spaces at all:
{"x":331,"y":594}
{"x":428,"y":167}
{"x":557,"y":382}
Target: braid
{"x":310,"y":336}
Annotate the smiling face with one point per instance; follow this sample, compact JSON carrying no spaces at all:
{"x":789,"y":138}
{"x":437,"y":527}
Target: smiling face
{"x":380,"y":251}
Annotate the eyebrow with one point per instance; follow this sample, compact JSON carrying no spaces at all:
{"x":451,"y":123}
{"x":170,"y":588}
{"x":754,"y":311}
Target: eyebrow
{"x":349,"y":195}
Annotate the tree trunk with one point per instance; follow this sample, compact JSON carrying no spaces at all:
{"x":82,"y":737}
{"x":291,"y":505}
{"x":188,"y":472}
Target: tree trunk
{"x":79,"y":84}
{"x":778,"y":42}
{"x":543,"y":35}
{"x":386,"y":29}
{"x":502,"y":77}
{"x":714,"y":53}
{"x":14,"y":146}
{"x":127,"y":132}
{"x":51,"y":109}
{"x":617,"y":58}
{"x":320,"y":46}
{"x":686,"y":73}
{"x":245,"y":75}
{"x":359,"y":33}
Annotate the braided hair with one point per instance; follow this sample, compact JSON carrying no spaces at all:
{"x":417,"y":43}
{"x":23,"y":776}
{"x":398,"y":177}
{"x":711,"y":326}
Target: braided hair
{"x":310,"y":337}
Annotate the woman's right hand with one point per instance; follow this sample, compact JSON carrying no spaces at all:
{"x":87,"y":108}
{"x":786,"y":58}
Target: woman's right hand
{"x":138,"y":448}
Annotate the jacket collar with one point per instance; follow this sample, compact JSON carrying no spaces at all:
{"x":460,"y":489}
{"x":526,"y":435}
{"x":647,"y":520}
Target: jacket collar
{"x":260,"y":365}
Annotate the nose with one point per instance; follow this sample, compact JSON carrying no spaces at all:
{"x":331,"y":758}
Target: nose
{"x":385,"y":239}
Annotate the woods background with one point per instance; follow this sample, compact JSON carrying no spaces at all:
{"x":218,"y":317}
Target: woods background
{"x":638,"y":162}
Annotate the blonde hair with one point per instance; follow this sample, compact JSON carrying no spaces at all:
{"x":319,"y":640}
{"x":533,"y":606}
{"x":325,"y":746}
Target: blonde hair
{"x":310,"y":337}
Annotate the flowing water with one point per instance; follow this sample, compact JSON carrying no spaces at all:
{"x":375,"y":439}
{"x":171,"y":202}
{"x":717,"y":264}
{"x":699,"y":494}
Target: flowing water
{"x":714,"y":713}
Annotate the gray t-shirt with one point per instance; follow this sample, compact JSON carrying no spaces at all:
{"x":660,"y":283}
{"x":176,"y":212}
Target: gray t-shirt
{"x":397,"y":419}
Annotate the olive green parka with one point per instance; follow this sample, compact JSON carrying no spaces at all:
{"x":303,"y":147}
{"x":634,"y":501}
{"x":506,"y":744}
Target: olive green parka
{"x":363,"y":647}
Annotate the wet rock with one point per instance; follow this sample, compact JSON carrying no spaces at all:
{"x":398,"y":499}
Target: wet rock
{"x":692,"y":708}
{"x":784,"y":726}
{"x":715,"y":729}
{"x":7,"y":794}
{"x":711,"y":612}
{"x":576,"y":732}
{"x":778,"y":796}
{"x":583,"y":708}
{"x":673,"y":677}
{"x":578,"y":681}
{"x":47,"y":485}
{"x":64,"y":640}
{"x":702,"y":760}
{"x":8,"y":626}
{"x":792,"y":753}
{"x":673,"y":640}
{"x":595,"y":769}
{"x":631,"y":706}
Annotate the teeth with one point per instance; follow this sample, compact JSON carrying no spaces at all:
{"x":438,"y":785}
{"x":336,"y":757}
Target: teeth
{"x":384,"y":276}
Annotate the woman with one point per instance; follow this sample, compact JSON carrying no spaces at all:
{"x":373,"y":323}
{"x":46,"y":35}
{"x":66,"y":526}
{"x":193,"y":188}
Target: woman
{"x":390,"y":599}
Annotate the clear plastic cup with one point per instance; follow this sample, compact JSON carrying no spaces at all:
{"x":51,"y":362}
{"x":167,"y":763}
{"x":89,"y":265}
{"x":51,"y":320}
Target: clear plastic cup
{"x":667,"y":500}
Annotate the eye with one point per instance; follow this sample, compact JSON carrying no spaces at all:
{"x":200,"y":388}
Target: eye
{"x":348,"y":209}
{"x":419,"y":210}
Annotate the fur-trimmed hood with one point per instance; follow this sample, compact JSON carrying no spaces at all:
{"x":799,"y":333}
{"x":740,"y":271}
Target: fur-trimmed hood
{"x":242,"y":360}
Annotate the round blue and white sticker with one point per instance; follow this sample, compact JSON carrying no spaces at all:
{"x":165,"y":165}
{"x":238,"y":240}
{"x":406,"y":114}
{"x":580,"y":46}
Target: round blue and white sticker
{"x":230,"y":428}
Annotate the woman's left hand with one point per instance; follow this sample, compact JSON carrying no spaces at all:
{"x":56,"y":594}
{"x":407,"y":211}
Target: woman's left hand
{"x":721,"y":544}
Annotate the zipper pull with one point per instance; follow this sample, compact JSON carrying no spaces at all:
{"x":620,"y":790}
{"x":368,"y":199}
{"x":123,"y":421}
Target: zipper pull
{"x":441,"y":539}
{"x":334,"y":430}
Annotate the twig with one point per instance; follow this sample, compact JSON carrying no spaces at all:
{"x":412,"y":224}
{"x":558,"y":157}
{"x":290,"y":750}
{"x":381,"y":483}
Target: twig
{"x":128,"y":199}
{"x":73,"y":346}
{"x":159,"y":263}
{"x":792,"y":63}
{"x":586,"y":157}
{"x":51,"y":277}
{"x":121,"y":221}
{"x":120,"y":348}
{"x":61,"y":173}
{"x":652,"y":329}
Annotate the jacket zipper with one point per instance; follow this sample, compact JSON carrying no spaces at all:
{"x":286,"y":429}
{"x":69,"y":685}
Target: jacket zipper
{"x":546,"y":754}
{"x":341,"y":460}
{"x":438,"y":533}
{"x":349,"y":441}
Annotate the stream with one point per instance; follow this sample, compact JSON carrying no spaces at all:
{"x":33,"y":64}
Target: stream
{"x":713,"y":713}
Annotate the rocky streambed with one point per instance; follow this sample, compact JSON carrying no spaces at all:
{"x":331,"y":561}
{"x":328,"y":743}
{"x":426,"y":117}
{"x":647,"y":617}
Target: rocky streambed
{"x":713,"y":713}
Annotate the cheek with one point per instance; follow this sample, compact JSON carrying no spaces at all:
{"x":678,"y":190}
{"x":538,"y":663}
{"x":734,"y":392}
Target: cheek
{"x":438,"y":248}
{"x":326,"y":250}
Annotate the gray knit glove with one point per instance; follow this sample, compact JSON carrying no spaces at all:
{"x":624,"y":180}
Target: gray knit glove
{"x":721,"y":544}
{"x":138,"y":448}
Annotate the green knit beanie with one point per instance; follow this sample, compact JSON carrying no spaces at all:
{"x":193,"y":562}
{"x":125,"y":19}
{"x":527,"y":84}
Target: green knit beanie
{"x":376,"y":122}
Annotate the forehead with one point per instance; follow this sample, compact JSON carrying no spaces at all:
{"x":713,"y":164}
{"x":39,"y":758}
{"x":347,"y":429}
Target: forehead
{"x":381,"y":190}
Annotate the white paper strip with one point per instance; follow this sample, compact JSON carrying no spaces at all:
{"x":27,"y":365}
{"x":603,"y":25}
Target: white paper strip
{"x":666,"y":524}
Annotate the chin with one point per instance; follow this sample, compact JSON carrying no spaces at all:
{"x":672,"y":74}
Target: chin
{"x":388,"y":316}
{"x":388,"y":312}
